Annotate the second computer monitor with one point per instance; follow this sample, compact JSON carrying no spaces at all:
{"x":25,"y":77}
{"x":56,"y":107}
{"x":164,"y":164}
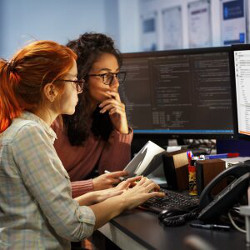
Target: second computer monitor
{"x":179,"y":93}
{"x":240,"y":69}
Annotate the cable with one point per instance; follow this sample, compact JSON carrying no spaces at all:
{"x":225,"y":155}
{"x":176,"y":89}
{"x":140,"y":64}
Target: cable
{"x":234,"y":224}
{"x":178,"y":220}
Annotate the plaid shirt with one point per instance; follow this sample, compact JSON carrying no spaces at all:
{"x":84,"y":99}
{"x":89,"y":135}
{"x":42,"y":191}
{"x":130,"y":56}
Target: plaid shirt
{"x":36,"y":208}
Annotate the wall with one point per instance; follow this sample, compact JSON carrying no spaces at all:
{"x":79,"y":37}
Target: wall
{"x":58,"y":20}
{"x":1,"y":27}
{"x":129,"y":25}
{"x":157,"y":8}
{"x":112,"y":26}
{"x":61,"y":20}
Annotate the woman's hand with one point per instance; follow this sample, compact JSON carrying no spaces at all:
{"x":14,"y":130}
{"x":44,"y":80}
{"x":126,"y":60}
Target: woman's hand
{"x":128,"y":199}
{"x":130,"y":182}
{"x":94,"y":197}
{"x":108,"y":180}
{"x":141,"y":192}
{"x":116,"y":110}
{"x":101,"y":195}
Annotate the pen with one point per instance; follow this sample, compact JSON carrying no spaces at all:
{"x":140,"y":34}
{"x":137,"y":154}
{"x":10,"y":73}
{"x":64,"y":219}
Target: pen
{"x":120,"y":178}
{"x":219,"y":156}
{"x":210,"y":226}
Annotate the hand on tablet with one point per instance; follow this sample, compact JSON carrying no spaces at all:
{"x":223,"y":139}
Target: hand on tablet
{"x":108,"y":180}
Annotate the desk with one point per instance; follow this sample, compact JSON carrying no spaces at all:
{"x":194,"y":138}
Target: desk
{"x":138,"y":230}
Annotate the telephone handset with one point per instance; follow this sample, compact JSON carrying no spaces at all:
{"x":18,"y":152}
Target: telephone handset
{"x":212,"y":207}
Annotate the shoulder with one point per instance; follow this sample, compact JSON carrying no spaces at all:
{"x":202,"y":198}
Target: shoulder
{"x":21,"y":129}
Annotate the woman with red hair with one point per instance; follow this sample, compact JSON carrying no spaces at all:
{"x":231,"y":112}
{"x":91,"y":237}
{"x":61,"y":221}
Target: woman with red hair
{"x":36,"y":206}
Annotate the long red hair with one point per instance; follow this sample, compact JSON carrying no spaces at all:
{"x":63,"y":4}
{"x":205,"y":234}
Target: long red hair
{"x":22,"y":78}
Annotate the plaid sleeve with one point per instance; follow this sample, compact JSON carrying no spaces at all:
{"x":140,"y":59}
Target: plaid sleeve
{"x":48,"y":182}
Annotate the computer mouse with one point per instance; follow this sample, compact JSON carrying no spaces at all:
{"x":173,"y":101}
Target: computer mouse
{"x":170,"y":213}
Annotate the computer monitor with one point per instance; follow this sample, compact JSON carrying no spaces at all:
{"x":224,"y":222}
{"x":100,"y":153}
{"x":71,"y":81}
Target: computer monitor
{"x":240,"y":68}
{"x":179,"y":93}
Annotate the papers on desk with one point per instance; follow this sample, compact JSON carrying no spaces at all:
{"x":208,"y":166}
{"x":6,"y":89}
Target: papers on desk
{"x":146,"y":161}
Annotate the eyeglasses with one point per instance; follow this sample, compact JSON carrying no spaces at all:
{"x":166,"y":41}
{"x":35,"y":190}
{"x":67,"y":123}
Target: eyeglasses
{"x":108,"y":78}
{"x":79,"y":84}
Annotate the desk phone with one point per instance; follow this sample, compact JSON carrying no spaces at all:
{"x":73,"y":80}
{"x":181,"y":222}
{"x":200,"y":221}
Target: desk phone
{"x":213,"y":206}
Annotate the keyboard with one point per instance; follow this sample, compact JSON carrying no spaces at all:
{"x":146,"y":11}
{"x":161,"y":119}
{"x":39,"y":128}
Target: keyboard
{"x":172,"y":199}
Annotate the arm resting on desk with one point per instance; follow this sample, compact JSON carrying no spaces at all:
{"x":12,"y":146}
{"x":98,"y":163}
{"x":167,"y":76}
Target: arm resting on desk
{"x":130,"y":198}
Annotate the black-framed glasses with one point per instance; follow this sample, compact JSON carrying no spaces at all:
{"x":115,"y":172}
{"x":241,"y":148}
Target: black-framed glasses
{"x":79,"y":84}
{"x":107,"y":78}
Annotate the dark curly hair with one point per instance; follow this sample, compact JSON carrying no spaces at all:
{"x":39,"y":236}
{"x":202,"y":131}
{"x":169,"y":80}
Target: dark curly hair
{"x":89,"y":47}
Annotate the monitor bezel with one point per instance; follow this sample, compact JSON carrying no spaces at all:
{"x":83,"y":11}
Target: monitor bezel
{"x":236,"y":47}
{"x":158,"y":136}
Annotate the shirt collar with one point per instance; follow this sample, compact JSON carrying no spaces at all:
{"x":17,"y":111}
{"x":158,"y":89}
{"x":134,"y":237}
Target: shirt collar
{"x":30,"y":116}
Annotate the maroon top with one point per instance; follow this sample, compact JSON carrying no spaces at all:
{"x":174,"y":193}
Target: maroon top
{"x":79,"y":161}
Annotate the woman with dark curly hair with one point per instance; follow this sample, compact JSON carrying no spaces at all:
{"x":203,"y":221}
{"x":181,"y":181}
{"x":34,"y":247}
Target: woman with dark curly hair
{"x":96,"y":137}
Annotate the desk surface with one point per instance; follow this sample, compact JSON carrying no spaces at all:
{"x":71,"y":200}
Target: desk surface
{"x":145,"y":230}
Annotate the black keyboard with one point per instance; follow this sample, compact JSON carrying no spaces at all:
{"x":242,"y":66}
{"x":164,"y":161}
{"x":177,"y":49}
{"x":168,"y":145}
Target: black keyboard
{"x":171,"y":200}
